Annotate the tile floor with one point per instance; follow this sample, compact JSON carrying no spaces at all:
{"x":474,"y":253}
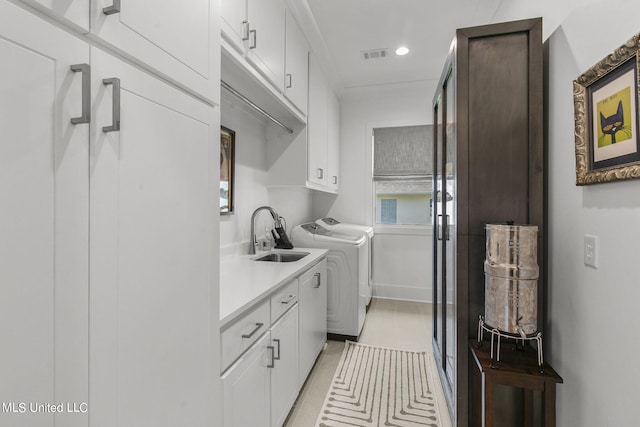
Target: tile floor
{"x":389,"y":323}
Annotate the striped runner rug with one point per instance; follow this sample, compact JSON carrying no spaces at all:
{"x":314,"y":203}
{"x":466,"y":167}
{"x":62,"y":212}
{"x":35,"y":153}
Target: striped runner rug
{"x":376,"y":386}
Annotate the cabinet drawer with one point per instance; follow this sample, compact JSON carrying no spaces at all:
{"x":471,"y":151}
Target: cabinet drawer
{"x":240,"y":335}
{"x":284,"y":299}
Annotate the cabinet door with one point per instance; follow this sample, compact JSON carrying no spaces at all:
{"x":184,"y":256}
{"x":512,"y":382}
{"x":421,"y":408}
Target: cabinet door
{"x":444,"y":238}
{"x":313,"y":316}
{"x":265,"y":44}
{"x":317,"y":124}
{"x":44,"y":188}
{"x":153,"y":300}
{"x":233,"y":22}
{"x":247,"y":388}
{"x":179,"y":40}
{"x":296,"y":65}
{"x":284,"y":375}
{"x":333,"y":142}
{"x":71,"y":12}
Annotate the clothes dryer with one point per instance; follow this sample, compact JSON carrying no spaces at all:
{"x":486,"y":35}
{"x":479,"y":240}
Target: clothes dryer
{"x":346,"y":276}
{"x":360,"y":230}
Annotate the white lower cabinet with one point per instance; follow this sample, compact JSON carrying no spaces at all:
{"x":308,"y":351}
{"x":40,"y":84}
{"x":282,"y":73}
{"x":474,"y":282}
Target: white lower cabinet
{"x":260,"y":388}
{"x":262,"y":385}
{"x":284,"y":375}
{"x":313,"y":316}
{"x":247,"y":387}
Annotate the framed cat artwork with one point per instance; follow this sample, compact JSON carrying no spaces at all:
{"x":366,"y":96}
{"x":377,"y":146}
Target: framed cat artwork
{"x":607,"y":127}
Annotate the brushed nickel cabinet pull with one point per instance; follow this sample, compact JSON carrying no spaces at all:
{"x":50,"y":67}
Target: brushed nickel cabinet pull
{"x":319,"y":282}
{"x":291,"y":298}
{"x":272,"y":364}
{"x":245,"y":30}
{"x":252,"y":333}
{"x":255,"y":39}
{"x":114,"y":8}
{"x":115,"y":109}
{"x":85,"y":69}
{"x":277,"y":341}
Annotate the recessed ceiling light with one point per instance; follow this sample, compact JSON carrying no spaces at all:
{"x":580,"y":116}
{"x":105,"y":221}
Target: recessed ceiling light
{"x":402,"y":50}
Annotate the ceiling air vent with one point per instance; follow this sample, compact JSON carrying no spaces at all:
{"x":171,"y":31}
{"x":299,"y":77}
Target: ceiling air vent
{"x":374,"y":54}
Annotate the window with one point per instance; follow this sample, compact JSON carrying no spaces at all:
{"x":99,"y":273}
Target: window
{"x":402,"y":171}
{"x":388,"y":211}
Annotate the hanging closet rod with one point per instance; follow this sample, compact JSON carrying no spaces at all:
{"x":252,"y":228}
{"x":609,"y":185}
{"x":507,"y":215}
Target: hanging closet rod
{"x":254,"y":106}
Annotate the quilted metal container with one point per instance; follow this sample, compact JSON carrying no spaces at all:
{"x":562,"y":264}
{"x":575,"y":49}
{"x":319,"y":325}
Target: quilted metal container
{"x":511,"y":278}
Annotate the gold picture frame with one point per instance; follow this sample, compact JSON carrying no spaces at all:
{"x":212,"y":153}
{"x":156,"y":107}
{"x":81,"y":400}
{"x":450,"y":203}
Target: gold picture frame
{"x":605,"y":100}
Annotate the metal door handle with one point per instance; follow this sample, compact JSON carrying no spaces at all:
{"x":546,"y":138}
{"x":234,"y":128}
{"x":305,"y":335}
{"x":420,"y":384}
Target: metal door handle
{"x":252,"y":333}
{"x":291,"y":298}
{"x":289,"y":81}
{"x":115,"y":109}
{"x":255,"y":39}
{"x":446,"y":227}
{"x":320,"y":173}
{"x":277,"y":341}
{"x":335,"y":179}
{"x":273,"y":363}
{"x":114,"y":8}
{"x":317,"y":275}
{"x":85,"y":69}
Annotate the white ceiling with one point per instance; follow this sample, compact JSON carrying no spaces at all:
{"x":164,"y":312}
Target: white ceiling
{"x":345,"y":28}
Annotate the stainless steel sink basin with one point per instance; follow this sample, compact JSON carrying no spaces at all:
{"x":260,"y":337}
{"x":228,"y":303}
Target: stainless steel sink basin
{"x":281,"y":256}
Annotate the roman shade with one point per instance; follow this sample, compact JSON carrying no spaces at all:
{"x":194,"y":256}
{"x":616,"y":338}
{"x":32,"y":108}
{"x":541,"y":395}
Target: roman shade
{"x":402,"y":152}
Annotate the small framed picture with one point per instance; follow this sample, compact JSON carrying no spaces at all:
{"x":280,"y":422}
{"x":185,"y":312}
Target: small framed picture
{"x":606,"y":118}
{"x":227,"y":159}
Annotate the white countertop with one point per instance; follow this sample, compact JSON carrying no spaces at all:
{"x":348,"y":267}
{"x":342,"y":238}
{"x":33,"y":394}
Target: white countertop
{"x":245,"y":282}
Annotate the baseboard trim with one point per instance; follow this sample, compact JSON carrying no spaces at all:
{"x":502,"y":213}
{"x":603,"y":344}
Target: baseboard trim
{"x":406,"y":293}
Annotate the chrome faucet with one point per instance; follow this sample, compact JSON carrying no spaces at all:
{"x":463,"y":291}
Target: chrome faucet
{"x":276,"y":222}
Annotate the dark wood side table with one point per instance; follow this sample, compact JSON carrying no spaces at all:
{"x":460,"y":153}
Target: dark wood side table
{"x":517,"y":369}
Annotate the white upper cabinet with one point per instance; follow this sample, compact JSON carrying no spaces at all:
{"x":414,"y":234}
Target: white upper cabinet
{"x":179,"y":40}
{"x":296,"y":76}
{"x":72,"y":12}
{"x":311,"y":158}
{"x":233,"y":22}
{"x":256,"y":29}
{"x":333,"y":141}
{"x":317,"y":125}
{"x":44,"y":220}
{"x":265,"y":44}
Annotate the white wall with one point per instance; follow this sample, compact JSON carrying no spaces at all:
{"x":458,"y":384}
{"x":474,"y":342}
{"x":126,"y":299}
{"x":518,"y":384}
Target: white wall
{"x":590,"y":336}
{"x":402,"y":261}
{"x":250,"y":182}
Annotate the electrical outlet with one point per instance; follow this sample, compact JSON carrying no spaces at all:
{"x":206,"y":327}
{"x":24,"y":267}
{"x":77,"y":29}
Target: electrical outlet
{"x":590,"y":251}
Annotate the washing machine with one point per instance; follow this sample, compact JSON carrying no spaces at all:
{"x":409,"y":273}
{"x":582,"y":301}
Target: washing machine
{"x":346,"y":276}
{"x":361,"y":230}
